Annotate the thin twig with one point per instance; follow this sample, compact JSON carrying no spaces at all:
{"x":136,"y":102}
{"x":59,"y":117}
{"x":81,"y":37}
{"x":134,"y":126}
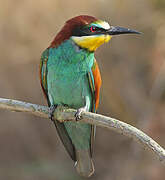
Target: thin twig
{"x":63,"y":114}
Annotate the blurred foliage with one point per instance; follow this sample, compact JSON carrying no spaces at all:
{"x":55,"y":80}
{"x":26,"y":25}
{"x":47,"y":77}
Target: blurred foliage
{"x":133,"y":73}
{"x":159,"y":4}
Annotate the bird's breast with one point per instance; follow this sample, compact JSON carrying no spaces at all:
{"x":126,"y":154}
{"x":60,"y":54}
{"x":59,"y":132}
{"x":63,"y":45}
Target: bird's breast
{"x":67,"y":76}
{"x":68,"y":89}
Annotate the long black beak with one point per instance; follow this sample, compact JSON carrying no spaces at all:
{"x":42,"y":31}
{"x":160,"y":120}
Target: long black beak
{"x":114,"y":30}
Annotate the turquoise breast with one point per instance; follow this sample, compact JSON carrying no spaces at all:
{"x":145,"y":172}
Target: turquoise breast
{"x":68,"y":84}
{"x":67,"y":76}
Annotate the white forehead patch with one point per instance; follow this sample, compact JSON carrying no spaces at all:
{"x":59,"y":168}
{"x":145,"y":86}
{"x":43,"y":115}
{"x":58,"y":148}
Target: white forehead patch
{"x":104,"y":24}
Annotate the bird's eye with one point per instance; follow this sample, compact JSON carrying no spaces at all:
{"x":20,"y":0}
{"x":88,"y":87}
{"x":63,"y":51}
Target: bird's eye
{"x":93,"y":29}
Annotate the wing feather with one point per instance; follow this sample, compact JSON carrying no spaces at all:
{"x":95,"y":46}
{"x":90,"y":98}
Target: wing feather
{"x":59,"y":126}
{"x":95,"y":84}
{"x":43,"y":72}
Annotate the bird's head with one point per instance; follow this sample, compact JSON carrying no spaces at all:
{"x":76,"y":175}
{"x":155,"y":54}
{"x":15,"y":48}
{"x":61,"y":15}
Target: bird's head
{"x":88,"y":32}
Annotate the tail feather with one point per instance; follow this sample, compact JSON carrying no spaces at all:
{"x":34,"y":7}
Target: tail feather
{"x":84,"y":164}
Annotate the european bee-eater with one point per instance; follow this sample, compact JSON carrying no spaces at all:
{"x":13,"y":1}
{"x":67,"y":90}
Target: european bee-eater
{"x":70,"y":76}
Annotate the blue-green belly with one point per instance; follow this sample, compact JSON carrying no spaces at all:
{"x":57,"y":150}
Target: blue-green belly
{"x":68,"y":84}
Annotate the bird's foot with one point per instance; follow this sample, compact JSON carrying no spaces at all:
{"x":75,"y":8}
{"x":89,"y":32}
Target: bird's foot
{"x":79,"y":112}
{"x":52,"y":108}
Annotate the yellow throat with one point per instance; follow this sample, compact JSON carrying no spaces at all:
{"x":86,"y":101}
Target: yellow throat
{"x":91,"y":42}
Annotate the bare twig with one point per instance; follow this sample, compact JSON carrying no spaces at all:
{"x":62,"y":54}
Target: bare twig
{"x":64,"y":114}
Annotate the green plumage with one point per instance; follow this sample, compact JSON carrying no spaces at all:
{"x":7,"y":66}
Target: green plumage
{"x":70,"y":76}
{"x":65,"y":73}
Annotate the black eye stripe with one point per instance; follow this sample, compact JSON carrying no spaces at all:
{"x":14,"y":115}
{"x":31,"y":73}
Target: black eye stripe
{"x":96,"y":28}
{"x":87,"y":31}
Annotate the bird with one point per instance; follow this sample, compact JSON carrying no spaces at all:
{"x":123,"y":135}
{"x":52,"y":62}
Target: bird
{"x":70,"y":76}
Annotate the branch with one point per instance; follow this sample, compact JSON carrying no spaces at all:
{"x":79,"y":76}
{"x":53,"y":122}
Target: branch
{"x":63,"y":114}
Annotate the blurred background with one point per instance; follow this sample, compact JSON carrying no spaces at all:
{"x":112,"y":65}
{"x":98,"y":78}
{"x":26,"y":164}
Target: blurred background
{"x":133,"y":89}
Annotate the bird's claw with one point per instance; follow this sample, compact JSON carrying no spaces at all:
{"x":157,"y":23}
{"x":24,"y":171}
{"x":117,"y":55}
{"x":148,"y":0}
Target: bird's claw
{"x":52,"y":108}
{"x":78,"y":113}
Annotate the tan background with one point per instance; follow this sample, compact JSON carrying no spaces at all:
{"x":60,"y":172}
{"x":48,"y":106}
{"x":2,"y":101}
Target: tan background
{"x":133,"y":90}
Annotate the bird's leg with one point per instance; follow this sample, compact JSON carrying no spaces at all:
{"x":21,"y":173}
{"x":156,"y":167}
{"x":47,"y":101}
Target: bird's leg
{"x":52,"y":108}
{"x":79,"y":112}
{"x":83,"y":109}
